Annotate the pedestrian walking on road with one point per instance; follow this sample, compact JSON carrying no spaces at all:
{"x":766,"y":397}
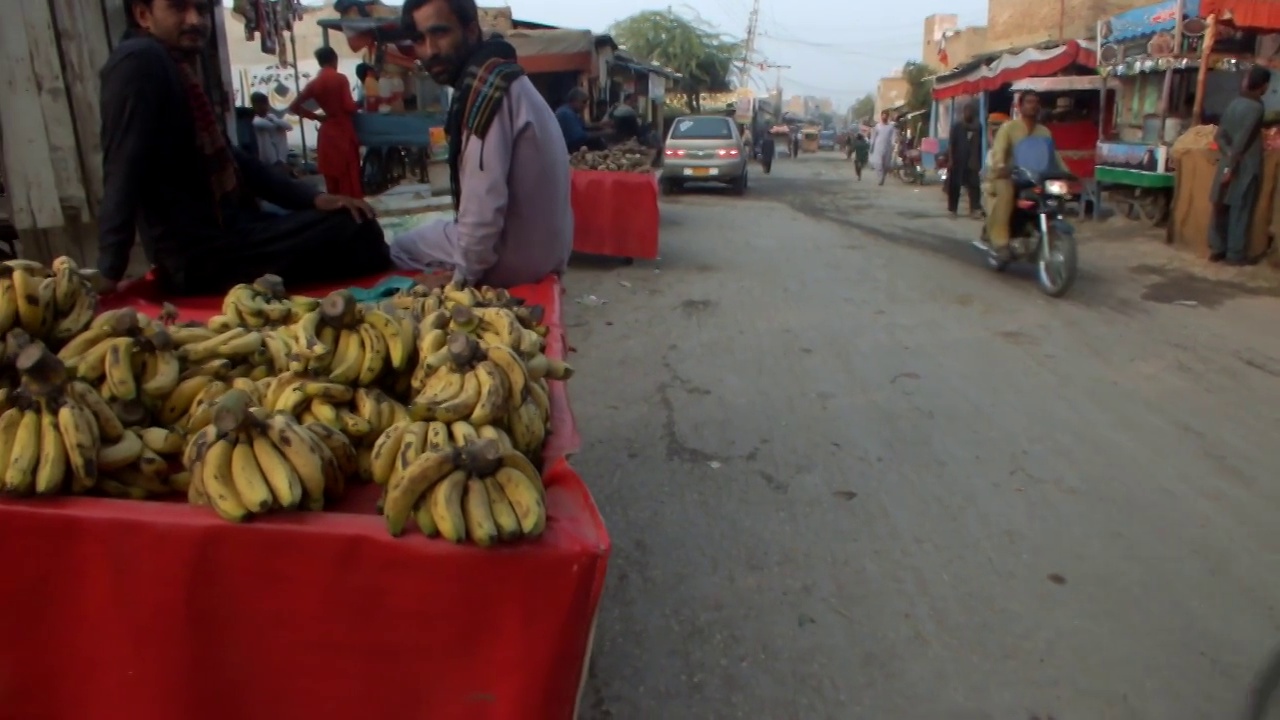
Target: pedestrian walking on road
{"x":884,"y":138}
{"x":861,"y":149}
{"x":965,"y":167}
{"x":1239,"y":179}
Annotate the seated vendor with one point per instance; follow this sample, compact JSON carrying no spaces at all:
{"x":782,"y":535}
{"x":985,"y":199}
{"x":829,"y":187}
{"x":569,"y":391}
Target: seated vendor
{"x":508,"y":169}
{"x":172,"y":177}
{"x":577,"y":134}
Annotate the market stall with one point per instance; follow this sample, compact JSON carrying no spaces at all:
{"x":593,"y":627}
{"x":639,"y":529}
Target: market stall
{"x":168,"y":611}
{"x":615,"y":202}
{"x":1237,"y":34}
{"x":1076,"y":113}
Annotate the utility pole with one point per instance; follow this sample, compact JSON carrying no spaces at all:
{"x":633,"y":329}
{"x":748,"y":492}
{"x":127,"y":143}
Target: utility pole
{"x":749,"y":46}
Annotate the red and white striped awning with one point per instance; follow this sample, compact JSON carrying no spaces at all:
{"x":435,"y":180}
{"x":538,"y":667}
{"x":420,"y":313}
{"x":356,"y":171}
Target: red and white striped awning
{"x":1012,"y":67}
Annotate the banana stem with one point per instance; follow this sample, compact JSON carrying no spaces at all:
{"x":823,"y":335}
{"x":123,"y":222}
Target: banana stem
{"x":482,"y":457}
{"x":41,"y":367}
{"x":463,"y":350}
{"x":232,"y":411}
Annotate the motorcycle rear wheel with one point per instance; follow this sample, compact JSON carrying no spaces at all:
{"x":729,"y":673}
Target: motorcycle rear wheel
{"x":1057,"y":265}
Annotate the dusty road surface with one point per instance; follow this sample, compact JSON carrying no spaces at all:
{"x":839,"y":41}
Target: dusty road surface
{"x":851,"y":473}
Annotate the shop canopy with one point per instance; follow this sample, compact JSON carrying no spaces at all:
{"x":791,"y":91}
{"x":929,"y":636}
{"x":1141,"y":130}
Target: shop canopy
{"x":990,"y":74}
{"x":1256,"y":14}
{"x":1064,"y":83}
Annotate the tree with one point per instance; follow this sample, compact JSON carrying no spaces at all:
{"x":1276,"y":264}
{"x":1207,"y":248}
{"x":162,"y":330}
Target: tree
{"x":864,"y":108}
{"x":919,"y":84}
{"x":688,"y":45}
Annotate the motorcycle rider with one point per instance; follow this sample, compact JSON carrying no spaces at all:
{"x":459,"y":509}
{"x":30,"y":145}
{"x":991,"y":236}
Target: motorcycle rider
{"x":1003,"y":194}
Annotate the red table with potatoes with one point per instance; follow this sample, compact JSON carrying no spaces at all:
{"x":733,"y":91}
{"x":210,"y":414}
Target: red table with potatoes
{"x":132,"y":610}
{"x":615,"y":214}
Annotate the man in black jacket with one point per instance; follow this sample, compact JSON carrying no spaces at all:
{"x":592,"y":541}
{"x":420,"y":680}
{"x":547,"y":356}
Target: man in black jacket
{"x":964,"y":150}
{"x":172,"y":176}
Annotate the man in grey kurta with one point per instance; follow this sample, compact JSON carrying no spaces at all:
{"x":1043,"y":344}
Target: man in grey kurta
{"x":883,"y":138}
{"x":1239,"y":178}
{"x":514,"y":221}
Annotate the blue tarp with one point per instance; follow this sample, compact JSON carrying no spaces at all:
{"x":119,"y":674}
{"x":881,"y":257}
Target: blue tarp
{"x":1149,"y":20}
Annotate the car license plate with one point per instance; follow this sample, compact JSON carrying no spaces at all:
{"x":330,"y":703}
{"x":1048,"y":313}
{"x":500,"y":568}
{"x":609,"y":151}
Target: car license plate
{"x":701,"y":172}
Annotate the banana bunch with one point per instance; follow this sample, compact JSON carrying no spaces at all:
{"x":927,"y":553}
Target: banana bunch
{"x":262,"y":303}
{"x":53,"y":304}
{"x":348,"y":343}
{"x":138,"y":463}
{"x":360,"y":414}
{"x":250,"y":461}
{"x":458,"y":482}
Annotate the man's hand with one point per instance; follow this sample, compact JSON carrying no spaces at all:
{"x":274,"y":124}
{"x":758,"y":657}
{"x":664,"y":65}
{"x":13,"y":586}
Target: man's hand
{"x":359,"y":209}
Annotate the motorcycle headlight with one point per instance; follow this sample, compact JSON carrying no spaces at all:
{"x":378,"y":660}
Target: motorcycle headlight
{"x":1056,"y":187}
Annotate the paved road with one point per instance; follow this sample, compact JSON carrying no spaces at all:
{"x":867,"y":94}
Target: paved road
{"x":851,"y":473}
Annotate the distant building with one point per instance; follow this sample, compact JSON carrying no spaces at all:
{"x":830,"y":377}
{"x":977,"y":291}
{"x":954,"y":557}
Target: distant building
{"x":891,"y":92}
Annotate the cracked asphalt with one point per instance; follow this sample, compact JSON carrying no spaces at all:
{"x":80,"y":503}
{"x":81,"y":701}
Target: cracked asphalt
{"x":851,"y":473}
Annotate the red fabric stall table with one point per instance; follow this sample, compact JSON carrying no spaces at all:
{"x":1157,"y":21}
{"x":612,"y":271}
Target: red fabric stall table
{"x":128,"y":610}
{"x":615,"y":214}
{"x":563,"y":440}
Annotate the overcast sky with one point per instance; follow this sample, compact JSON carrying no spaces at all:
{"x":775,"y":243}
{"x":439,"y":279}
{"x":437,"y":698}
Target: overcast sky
{"x":835,"y":48}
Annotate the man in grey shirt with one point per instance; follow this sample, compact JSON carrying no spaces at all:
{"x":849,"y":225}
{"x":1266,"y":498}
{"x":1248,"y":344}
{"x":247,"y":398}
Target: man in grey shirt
{"x":508,"y":165}
{"x":1239,"y":178}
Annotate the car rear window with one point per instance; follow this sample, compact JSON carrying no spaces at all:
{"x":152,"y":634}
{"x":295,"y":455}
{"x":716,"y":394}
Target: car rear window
{"x":709,"y":128}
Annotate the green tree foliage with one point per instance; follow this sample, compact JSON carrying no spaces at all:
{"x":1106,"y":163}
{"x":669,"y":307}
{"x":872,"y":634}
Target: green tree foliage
{"x":702,"y":55}
{"x":919,"y":81}
{"x":864,"y":108}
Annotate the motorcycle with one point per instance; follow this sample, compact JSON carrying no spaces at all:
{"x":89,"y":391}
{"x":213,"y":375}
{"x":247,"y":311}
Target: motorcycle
{"x":1038,"y":232}
{"x":910,"y":170}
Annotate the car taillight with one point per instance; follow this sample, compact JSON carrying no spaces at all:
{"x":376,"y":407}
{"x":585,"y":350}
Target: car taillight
{"x":728,"y":152}
{"x":673,"y":153}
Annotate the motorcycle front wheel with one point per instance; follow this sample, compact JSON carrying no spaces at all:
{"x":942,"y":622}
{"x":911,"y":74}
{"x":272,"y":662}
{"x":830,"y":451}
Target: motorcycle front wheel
{"x":907,"y":175}
{"x":1057,"y":265}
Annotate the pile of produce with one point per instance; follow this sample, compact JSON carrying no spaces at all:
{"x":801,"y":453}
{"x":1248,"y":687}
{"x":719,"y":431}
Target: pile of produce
{"x":439,"y":396}
{"x":629,"y":156}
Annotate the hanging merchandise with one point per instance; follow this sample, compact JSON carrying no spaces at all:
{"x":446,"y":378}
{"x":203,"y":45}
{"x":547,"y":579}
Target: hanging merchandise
{"x":247,"y":9}
{"x":269,"y":28}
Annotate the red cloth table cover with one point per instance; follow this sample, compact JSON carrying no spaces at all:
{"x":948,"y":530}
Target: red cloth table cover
{"x":158,"y":610}
{"x":615,"y":214}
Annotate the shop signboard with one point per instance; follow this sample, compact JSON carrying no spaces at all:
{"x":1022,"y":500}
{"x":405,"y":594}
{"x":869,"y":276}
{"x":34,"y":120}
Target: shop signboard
{"x":1147,"y":21}
{"x":1134,"y":157}
{"x":657,"y":87}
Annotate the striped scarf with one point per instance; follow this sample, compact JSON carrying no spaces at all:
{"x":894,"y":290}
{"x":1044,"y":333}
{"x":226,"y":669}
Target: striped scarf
{"x":224,"y":176}
{"x":477,"y":98}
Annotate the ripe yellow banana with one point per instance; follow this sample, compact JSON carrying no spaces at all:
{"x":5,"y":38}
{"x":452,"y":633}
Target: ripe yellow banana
{"x":493,"y":394}
{"x":514,"y":368}
{"x":152,"y":465}
{"x":435,"y":320}
{"x":110,"y":429}
{"x":279,"y":349}
{"x":68,"y":285}
{"x":9,"y":421}
{"x":51,"y":470}
{"x":370,"y":405}
{"x":285,"y":485}
{"x":219,"y":481}
{"x":329,"y":392}
{"x":120,"y":382}
{"x":217,"y":368}
{"x":190,"y":334}
{"x":397,"y":341}
{"x":206,"y":402}
{"x":243,"y":300}
{"x":558,"y":369}
{"x":163,"y":373}
{"x":528,"y":430}
{"x":438,"y":437}
{"x":376,"y":355}
{"x":422,"y":516}
{"x":293,"y":399}
{"x":364,"y":463}
{"x":241,"y":347}
{"x":496,"y":434}
{"x":35,"y":302}
{"x":354,"y":426}
{"x":478,"y":512}
{"x":19,"y":474}
{"x":503,"y":323}
{"x":462,"y":433}
{"x":443,"y":385}
{"x":92,"y":365}
{"x":307,"y":330}
{"x":162,"y":441}
{"x":460,"y":407}
{"x":445,"y":500}
{"x":405,"y":491}
{"x":526,"y":499}
{"x":517,"y":461}
{"x":180,"y":482}
{"x":250,"y":388}
{"x":210,"y":349}
{"x":75,"y":425}
{"x":504,"y":515}
{"x":180,"y":401}
{"x":343,"y":451}
{"x":412,"y":445}
{"x":76,"y":320}
{"x":326,"y":413}
{"x":383,"y":456}
{"x":121,"y":453}
{"x":8,"y":304}
{"x":300,"y":451}
{"x":248,"y":477}
{"x":197,"y":443}
{"x":348,"y":358}
{"x":319,"y":362}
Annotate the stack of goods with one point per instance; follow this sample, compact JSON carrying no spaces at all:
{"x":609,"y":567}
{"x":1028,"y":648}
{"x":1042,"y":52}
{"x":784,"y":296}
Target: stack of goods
{"x":440,"y":396}
{"x":630,"y":156}
{"x":1197,"y":138}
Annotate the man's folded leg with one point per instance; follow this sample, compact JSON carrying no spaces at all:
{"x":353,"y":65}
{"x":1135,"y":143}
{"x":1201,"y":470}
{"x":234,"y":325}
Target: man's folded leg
{"x":303,"y":248}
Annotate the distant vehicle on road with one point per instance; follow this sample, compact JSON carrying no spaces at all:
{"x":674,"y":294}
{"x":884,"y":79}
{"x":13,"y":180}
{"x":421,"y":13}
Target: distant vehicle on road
{"x":827,"y":140}
{"x":704,"y":148}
